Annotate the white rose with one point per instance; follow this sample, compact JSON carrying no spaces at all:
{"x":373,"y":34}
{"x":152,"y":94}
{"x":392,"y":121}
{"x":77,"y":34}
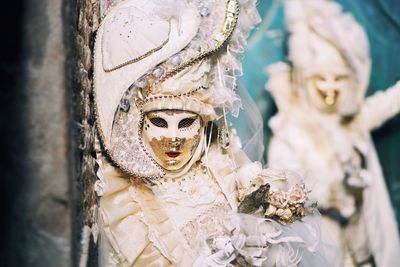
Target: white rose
{"x":270,"y":211}
{"x":284,"y":214}
{"x":277,"y":199}
{"x":297,"y":194}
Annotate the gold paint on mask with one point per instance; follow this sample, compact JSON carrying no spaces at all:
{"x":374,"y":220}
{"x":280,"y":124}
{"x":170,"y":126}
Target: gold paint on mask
{"x":329,"y":97}
{"x":174,"y":153}
{"x":327,"y":88}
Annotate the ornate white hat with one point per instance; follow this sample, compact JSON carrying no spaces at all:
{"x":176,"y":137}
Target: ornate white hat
{"x":319,"y":29}
{"x":164,"y":54}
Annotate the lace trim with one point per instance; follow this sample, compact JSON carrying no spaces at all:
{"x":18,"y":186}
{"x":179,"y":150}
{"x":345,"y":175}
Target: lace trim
{"x":211,"y":223}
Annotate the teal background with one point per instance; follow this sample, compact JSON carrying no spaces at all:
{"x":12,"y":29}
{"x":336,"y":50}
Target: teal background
{"x":381,"y":19}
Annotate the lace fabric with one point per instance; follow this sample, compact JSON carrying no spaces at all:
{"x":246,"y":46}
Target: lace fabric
{"x":211,"y":223}
{"x":194,"y":189}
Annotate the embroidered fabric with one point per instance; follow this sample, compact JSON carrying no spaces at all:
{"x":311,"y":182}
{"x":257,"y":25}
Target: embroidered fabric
{"x":194,"y":189}
{"x":211,"y":223}
{"x":131,"y":152}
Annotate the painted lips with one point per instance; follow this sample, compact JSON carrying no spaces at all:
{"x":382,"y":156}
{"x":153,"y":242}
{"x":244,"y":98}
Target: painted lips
{"x":173,"y":154}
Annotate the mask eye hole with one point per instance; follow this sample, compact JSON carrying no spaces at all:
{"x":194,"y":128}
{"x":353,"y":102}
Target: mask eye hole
{"x":340,"y":78}
{"x":159,"y":122}
{"x":186,"y":123}
{"x":319,"y":78}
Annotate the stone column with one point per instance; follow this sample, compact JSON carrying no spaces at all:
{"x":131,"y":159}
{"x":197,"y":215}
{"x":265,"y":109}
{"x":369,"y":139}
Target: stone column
{"x":39,"y":181}
{"x":45,"y":204}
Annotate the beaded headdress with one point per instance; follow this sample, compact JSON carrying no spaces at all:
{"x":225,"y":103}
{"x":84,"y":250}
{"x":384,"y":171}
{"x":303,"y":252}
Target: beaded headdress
{"x":164,"y":54}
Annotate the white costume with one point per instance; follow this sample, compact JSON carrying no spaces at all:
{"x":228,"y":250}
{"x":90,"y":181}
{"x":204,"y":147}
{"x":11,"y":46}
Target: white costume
{"x":322,"y":130}
{"x":165,"y":77}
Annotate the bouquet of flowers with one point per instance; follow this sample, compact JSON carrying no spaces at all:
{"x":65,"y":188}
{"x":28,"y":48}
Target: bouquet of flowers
{"x":283,"y":206}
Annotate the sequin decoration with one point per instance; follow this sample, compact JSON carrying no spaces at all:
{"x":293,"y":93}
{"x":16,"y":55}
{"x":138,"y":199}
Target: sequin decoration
{"x":204,"y":12}
{"x":127,"y":148}
{"x":124,"y":105}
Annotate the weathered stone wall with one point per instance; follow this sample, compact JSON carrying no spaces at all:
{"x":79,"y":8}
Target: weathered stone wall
{"x":43,"y":207}
{"x":40,"y":194}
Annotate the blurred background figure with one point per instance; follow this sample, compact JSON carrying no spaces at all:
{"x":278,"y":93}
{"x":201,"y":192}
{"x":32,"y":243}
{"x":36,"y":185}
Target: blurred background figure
{"x":381,"y":21}
{"x":322,"y":130}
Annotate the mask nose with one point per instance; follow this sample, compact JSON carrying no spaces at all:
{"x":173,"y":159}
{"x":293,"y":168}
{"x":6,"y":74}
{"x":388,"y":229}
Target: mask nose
{"x":328,"y":83}
{"x":175,"y":140}
{"x":175,"y":143}
{"x":174,"y":133}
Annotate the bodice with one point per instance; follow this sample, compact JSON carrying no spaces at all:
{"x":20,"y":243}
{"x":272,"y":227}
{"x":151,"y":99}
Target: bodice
{"x":195,"y":204}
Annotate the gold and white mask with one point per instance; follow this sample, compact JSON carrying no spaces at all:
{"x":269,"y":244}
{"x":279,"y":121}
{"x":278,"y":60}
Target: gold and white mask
{"x":156,"y":58}
{"x":328,"y":88}
{"x":172,"y":137}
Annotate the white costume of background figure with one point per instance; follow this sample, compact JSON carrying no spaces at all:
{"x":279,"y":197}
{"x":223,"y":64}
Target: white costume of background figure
{"x":172,"y":173}
{"x":322,"y":130}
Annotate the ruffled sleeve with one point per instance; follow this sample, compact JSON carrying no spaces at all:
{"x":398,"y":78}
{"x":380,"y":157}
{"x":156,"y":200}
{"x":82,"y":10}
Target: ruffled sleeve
{"x":135,"y":229}
{"x":380,"y":107}
{"x":120,"y":215}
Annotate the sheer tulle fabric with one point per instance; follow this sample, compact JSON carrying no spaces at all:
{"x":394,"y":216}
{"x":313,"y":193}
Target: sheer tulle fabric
{"x":263,"y":242}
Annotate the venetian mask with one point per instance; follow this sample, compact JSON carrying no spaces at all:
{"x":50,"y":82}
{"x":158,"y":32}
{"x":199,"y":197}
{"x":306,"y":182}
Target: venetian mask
{"x":172,"y":136}
{"x":329,"y":80}
{"x":331,"y":89}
